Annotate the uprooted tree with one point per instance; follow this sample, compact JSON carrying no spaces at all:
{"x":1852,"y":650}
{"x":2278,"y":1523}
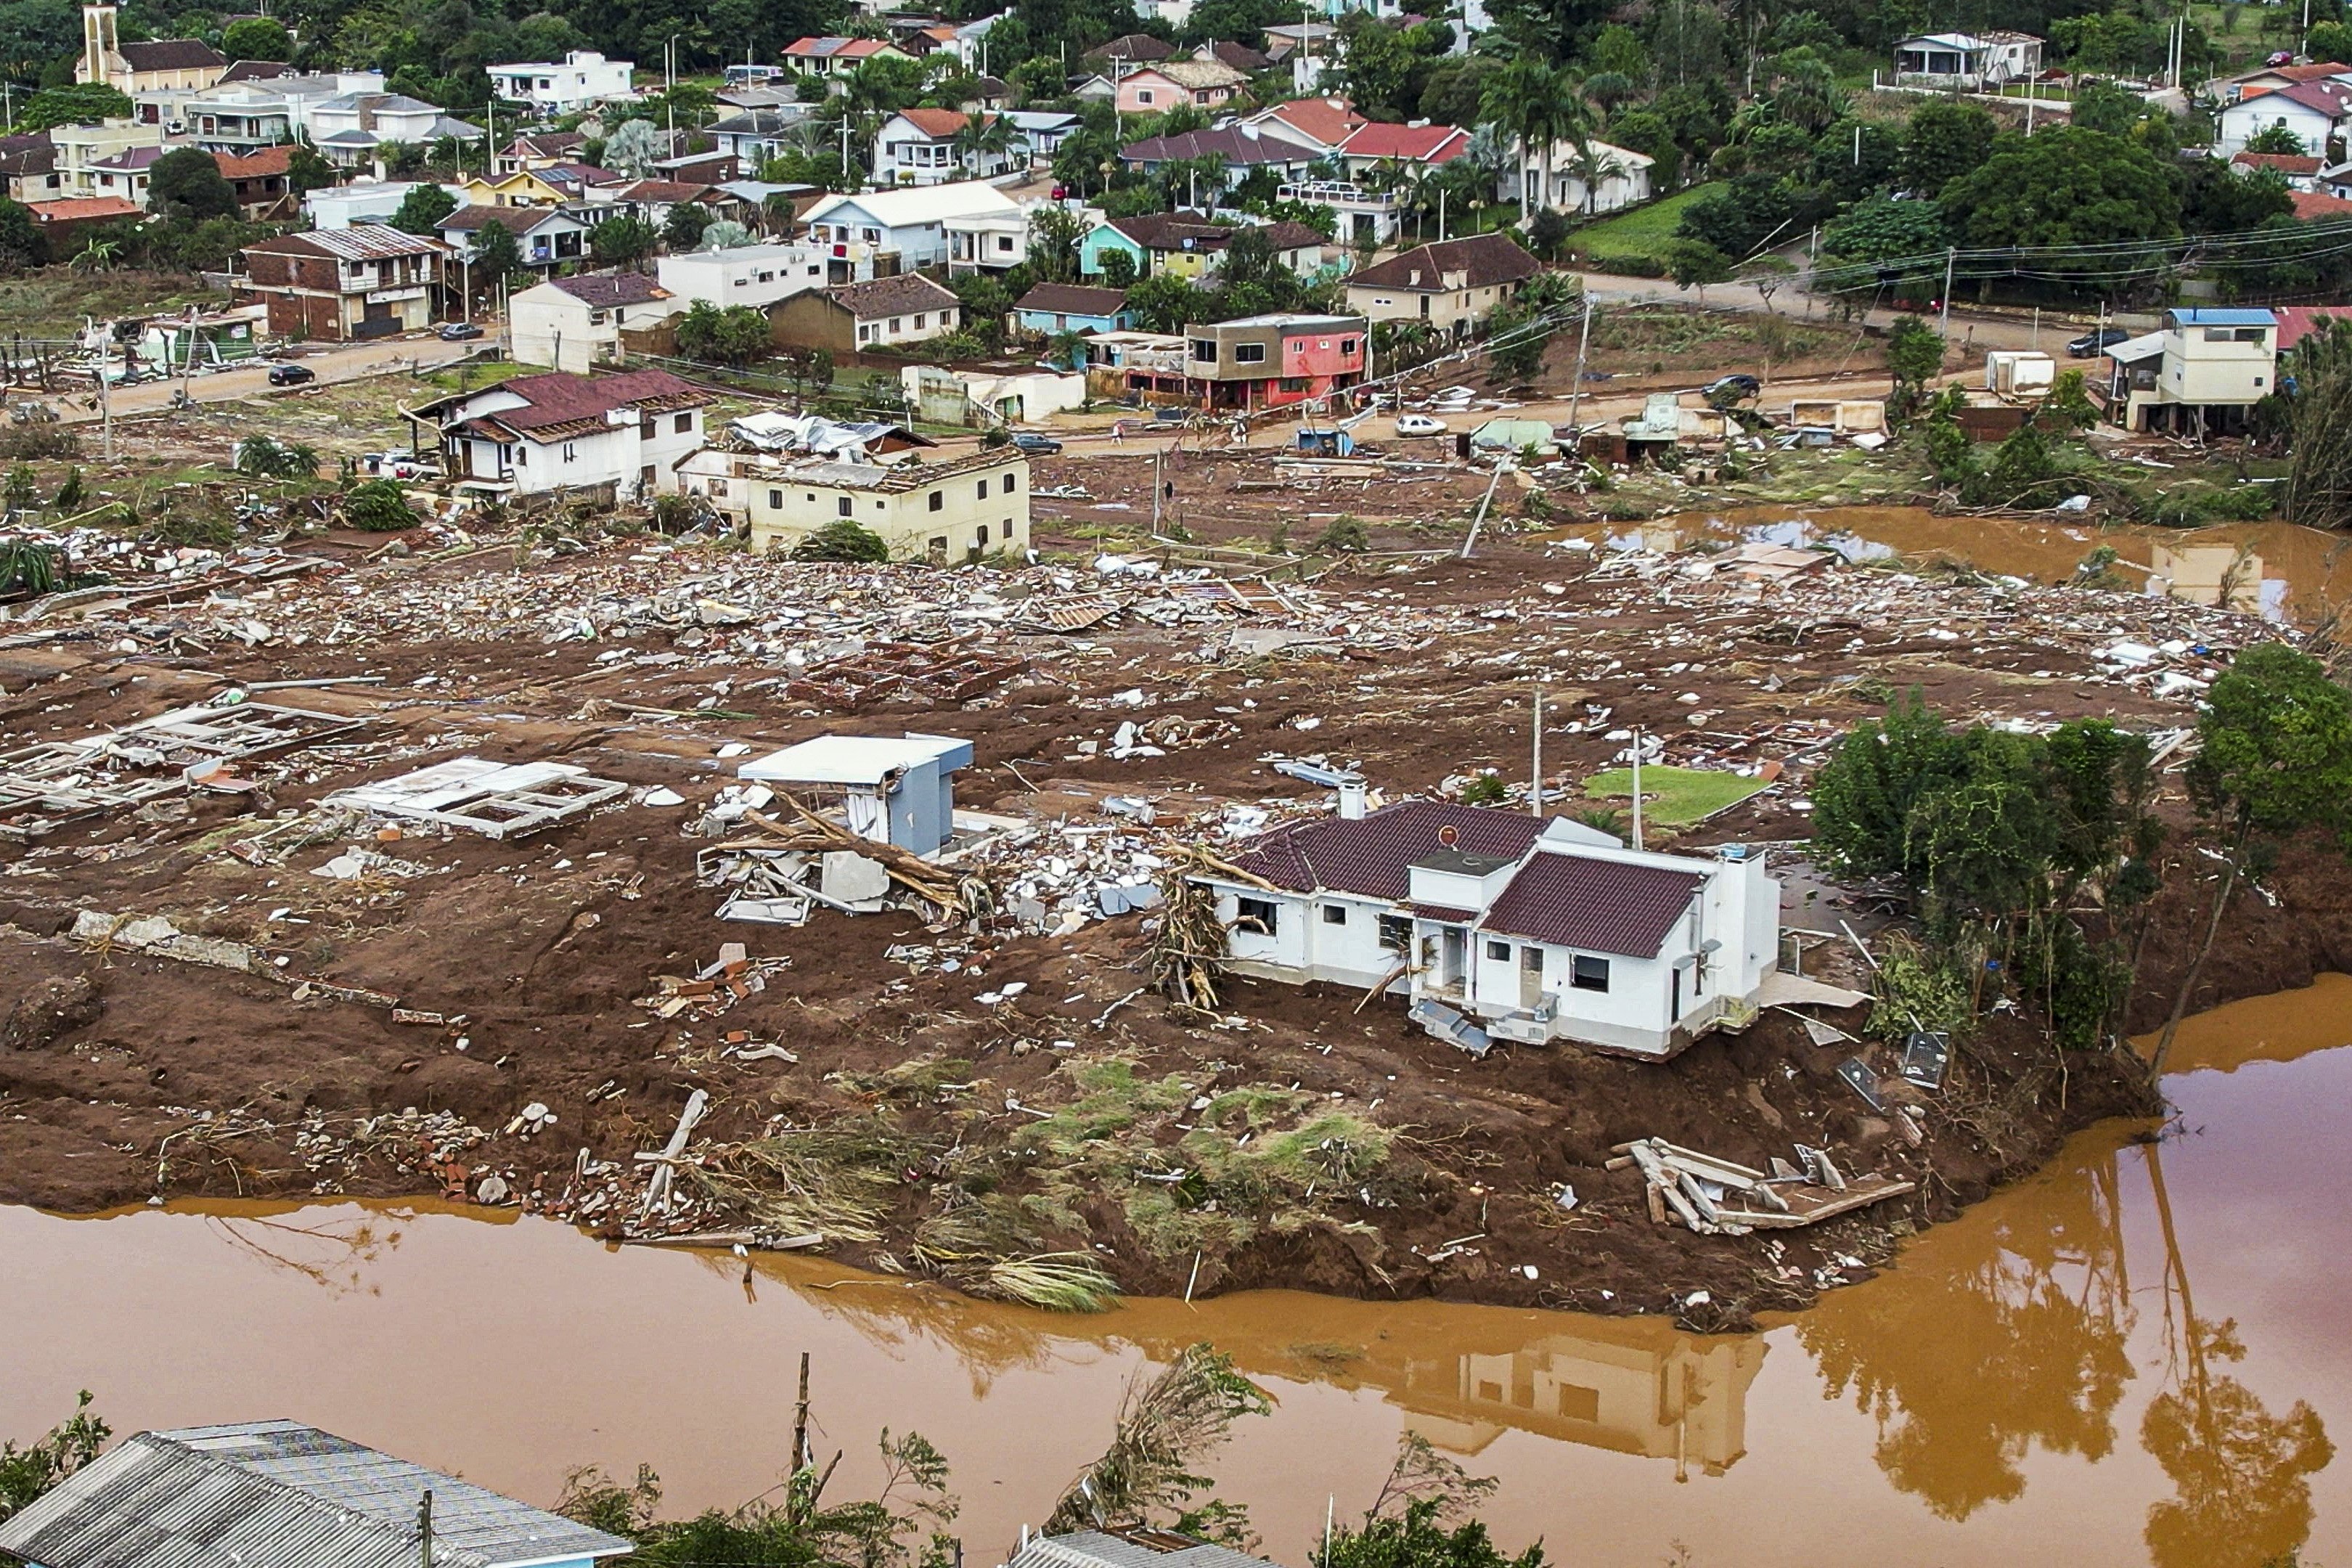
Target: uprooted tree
{"x":1165,"y":1427}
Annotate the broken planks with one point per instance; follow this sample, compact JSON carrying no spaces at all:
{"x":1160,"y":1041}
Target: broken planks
{"x":1718,"y":1197}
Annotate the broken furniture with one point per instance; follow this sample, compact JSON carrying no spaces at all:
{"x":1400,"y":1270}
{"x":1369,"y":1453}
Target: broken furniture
{"x":900,"y":792}
{"x":498,"y":800}
{"x":57,"y":781}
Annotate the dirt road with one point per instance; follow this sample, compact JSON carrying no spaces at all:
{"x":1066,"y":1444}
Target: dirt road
{"x":329,"y":362}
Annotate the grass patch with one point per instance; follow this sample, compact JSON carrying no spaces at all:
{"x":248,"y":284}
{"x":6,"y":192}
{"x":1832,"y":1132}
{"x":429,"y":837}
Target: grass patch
{"x":1673,"y":797}
{"x":471,"y":373}
{"x":1635,"y":241}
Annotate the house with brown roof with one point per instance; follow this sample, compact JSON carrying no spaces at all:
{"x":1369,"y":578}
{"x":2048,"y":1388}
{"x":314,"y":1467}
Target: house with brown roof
{"x":546,"y":239}
{"x":1451,"y":284}
{"x":617,"y":436}
{"x":836,"y":58}
{"x":921,"y":147}
{"x":1128,"y":49}
{"x":856,"y":317}
{"x":1156,"y":88}
{"x":576,"y":324}
{"x":369,"y":281}
{"x":261,"y":182}
{"x":1492,"y":923}
{"x":29,"y":168}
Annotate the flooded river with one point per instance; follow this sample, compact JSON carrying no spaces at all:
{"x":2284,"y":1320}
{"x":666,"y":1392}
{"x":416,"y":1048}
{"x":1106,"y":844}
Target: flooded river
{"x":2275,"y":569}
{"x":2140,"y":1356}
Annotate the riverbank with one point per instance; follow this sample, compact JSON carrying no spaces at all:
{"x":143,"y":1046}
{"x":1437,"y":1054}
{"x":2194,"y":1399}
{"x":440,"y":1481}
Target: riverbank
{"x":984,"y":1094}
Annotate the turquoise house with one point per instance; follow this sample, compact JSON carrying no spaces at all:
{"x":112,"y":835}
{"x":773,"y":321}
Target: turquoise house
{"x":1105,"y":237}
{"x":1051,"y":308}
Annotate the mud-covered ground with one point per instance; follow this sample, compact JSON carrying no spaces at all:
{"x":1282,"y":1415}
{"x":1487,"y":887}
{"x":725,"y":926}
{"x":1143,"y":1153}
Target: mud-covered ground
{"x":125,"y":1078}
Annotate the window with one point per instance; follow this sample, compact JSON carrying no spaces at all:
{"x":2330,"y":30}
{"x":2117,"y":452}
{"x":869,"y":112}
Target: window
{"x":1205,"y":350}
{"x":982,"y":535}
{"x":918,"y":323}
{"x":984,"y":489}
{"x":682,"y":424}
{"x":939,"y":500}
{"x":1498,"y":950}
{"x":1249,"y":353}
{"x":1011,"y":483}
{"x":865,"y":334}
{"x":1143,"y":95}
{"x":894,"y":325}
{"x":775,"y":500}
{"x":1589,"y":974}
{"x":1396,"y":933}
{"x":1347,"y":346}
{"x":569,"y":452}
{"x":1004,"y":244}
{"x":1335,"y":914}
{"x":842,"y":504}
{"x":1258,"y":914}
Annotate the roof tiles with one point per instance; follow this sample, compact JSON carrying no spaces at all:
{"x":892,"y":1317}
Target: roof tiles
{"x":1592,"y":904}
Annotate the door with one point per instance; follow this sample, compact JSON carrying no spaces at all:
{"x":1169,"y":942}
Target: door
{"x":1674,"y":1000}
{"x":1451,"y":948}
{"x":1531,"y":967}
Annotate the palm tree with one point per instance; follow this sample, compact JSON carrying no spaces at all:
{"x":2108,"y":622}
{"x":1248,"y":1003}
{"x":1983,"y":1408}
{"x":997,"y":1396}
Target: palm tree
{"x":983,"y":136}
{"x":1521,"y":100}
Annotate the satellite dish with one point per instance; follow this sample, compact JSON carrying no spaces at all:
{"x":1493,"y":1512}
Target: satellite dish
{"x":1449,"y":836}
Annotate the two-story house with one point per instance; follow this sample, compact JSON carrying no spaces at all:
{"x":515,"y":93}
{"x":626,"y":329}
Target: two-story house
{"x":753,"y":137}
{"x":580,"y":80}
{"x":754,"y":274}
{"x":941,"y":512}
{"x":875,"y":232}
{"x":576,"y":324}
{"x":2198,"y":375}
{"x":2316,"y":113}
{"x":369,"y":280}
{"x":82,"y":148}
{"x":1270,"y":360}
{"x":29,"y":168}
{"x":1169,"y":84}
{"x":350,"y":128}
{"x":919,"y":147}
{"x":558,"y":434}
{"x":548,"y":239}
{"x":1451,"y":284}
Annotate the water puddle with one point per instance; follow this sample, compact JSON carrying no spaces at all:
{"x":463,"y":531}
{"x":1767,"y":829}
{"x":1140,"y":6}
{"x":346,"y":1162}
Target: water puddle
{"x":2274,"y":569}
{"x":2144,"y":1354}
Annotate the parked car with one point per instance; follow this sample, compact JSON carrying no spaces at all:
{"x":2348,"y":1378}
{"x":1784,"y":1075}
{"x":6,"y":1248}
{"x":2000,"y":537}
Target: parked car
{"x":458,"y":332}
{"x":1171,"y":415}
{"x":1036,"y":445}
{"x":1419,"y":425}
{"x":291,"y":375}
{"x":1736,"y":388}
{"x":2092,"y":342}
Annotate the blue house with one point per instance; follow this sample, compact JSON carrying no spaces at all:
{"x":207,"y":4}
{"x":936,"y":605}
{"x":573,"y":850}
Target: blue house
{"x":272,"y":1494}
{"x":1074,"y":307}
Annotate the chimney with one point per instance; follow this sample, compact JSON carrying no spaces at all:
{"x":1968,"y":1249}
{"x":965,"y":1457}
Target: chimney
{"x":1351,"y":799}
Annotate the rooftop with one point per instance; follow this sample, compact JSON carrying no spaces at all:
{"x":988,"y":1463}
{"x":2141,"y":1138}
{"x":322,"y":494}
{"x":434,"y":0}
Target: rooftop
{"x":1592,"y":902}
{"x":171,"y":55}
{"x":1414,"y":143}
{"x":906,"y":293}
{"x":283,"y":1494}
{"x":606,"y":289}
{"x":1372,"y":855}
{"x":1482,"y":261}
{"x":360,"y":242}
{"x":856,"y":759}
{"x":920,"y":204}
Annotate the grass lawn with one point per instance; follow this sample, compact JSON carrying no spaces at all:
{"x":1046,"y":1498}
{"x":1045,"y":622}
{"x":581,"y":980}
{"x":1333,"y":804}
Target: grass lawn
{"x":1638,"y":237}
{"x":1673,"y":797}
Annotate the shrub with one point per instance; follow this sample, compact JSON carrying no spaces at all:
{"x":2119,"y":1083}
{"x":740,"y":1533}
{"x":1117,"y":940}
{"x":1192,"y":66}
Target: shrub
{"x":263,"y":457}
{"x":378,"y":506}
{"x":26,"y":567}
{"x":1486,"y":789}
{"x":842,"y":540}
{"x":1345,"y":535}
{"x":198,"y":530}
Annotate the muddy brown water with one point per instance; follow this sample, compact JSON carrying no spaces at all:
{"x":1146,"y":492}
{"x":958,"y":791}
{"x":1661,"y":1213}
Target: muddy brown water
{"x":2275,"y":569}
{"x":2141,"y":1355}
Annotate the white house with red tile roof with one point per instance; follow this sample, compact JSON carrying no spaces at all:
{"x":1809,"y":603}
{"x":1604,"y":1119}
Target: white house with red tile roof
{"x":834,"y":57}
{"x":1377,"y":143}
{"x":2315,"y":112}
{"x":1317,"y":124}
{"x":917,"y":147}
{"x":1492,"y":922}
{"x":562,"y":434}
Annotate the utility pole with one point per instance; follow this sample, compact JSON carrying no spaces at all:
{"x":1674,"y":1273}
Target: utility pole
{"x":1535,"y":787}
{"x":1951,"y":254}
{"x":1576,"y":388}
{"x":424,"y":1530}
{"x":1637,"y":789}
{"x":1157,"y":454}
{"x":105,"y":396}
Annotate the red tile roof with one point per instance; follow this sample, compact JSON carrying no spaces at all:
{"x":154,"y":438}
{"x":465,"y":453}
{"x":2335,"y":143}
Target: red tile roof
{"x":1592,"y":905}
{"x":2332,"y":99}
{"x":935,"y":122}
{"x":2311,"y":205}
{"x":1482,"y":261}
{"x":81,"y":209}
{"x":1328,"y":120}
{"x":560,"y":398}
{"x":1372,"y":855}
{"x":2296,"y":322}
{"x":2284,"y":162}
{"x":1414,"y":143}
{"x":253,"y":165}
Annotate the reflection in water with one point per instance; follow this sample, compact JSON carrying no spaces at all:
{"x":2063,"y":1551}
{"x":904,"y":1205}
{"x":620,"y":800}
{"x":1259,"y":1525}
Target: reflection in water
{"x":2040,"y":1372}
{"x":2014,"y":1341}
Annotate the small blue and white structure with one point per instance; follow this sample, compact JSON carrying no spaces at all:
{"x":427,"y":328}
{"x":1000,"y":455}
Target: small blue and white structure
{"x":277,"y":1494}
{"x":900,"y":792}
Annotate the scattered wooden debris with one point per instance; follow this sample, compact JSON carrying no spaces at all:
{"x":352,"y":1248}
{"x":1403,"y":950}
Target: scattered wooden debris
{"x":1717,"y":1197}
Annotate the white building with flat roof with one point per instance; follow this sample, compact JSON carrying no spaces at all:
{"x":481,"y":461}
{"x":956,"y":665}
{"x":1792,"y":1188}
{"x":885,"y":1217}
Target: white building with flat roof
{"x":754,"y":274}
{"x":581,"y":80}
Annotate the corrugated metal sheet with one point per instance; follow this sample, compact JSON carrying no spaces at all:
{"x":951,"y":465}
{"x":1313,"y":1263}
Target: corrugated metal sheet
{"x":277,"y":1494}
{"x":1097,"y":1549}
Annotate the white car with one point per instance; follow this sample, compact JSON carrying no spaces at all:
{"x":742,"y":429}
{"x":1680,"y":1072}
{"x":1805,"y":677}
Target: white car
{"x":1419,"y":425}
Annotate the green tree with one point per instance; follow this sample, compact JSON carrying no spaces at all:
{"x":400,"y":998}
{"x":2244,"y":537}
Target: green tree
{"x":842,"y":540}
{"x":1166,"y":303}
{"x":1943,"y":139}
{"x":26,"y":1473}
{"x":186,"y":185}
{"x":22,"y":243}
{"x":495,"y":254}
{"x":734,"y":334}
{"x":307,"y":171}
{"x":1882,"y":228}
{"x":82,"y":103}
{"x":1165,"y":1427}
{"x":1118,"y":269}
{"x":1520,"y":329}
{"x":1914,"y":357}
{"x":2274,"y":759}
{"x":1695,"y":264}
{"x":422,"y":210}
{"x":258,"y":38}
{"x":2319,"y":481}
{"x":682,"y":229}
{"x":2279,"y":138}
{"x":378,"y":506}
{"x":622,"y":240}
{"x":2329,"y":41}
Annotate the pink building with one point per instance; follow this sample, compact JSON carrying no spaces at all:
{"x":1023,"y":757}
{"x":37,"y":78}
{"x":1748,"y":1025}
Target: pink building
{"x":1156,"y":88}
{"x":1266,"y":361}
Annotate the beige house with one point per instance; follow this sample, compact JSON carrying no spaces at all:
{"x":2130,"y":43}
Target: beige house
{"x":940,"y":512}
{"x":1451,"y":285}
{"x":2199,"y":376}
{"x":82,"y":148}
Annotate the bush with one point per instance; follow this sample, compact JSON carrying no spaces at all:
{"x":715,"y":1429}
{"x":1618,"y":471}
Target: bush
{"x":198,"y":530}
{"x":1486,"y":789}
{"x":378,"y":506}
{"x":842,"y":540}
{"x":263,"y":457}
{"x":1345,"y":535}
{"x":18,"y":442}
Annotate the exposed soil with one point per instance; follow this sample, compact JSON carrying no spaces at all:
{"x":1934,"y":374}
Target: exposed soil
{"x":125,"y":1078}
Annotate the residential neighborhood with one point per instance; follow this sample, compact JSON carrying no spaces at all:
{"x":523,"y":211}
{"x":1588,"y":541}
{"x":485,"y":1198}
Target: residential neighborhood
{"x":1511,"y":785}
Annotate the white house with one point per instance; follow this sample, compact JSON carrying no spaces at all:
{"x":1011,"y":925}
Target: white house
{"x":1536,"y":929}
{"x":907,"y":229}
{"x":362,"y":201}
{"x":576,"y":324}
{"x":1619,"y":177}
{"x":559,"y":433}
{"x":755,"y":275}
{"x":349,"y":127}
{"x":917,"y":147}
{"x":2315,"y":112}
{"x":582,"y":79}
{"x":1970,"y":61}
